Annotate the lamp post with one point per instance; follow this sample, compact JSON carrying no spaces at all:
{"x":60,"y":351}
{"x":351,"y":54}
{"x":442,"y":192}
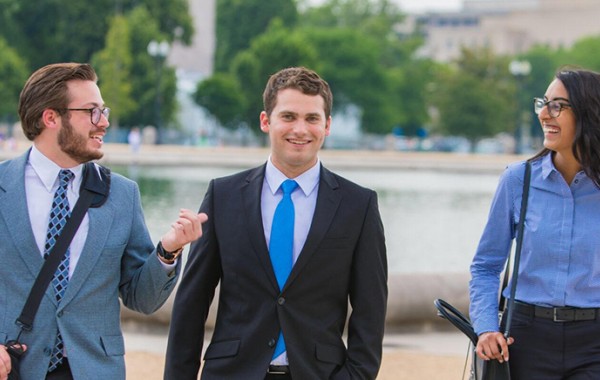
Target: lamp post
{"x":158,"y":51}
{"x":520,"y":70}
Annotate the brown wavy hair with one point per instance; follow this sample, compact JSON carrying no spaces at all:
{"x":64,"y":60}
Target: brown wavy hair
{"x":47,"y":88}
{"x":298,"y":78}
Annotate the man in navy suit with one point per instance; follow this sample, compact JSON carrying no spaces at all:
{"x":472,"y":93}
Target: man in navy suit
{"x":338,"y":260}
{"x":110,"y":256}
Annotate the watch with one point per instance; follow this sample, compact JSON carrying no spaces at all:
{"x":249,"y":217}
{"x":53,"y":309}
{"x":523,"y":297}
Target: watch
{"x":168,"y":256}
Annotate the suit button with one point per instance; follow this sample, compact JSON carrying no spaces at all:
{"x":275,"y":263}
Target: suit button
{"x":272,"y":343}
{"x":60,"y":314}
{"x":47,"y":351}
{"x":281,"y":300}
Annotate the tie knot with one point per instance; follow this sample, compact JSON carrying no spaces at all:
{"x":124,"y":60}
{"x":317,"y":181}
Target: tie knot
{"x":288,"y":186}
{"x":65,"y":176}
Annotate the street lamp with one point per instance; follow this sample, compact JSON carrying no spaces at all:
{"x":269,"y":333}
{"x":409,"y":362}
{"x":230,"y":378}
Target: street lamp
{"x":520,"y":70}
{"x":158,"y":51}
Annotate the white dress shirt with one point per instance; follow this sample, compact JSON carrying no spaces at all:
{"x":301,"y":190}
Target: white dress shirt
{"x":41,"y":182}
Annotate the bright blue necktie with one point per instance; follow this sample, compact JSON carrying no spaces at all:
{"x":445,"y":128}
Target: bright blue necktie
{"x":281,"y":244}
{"x":59,"y":214}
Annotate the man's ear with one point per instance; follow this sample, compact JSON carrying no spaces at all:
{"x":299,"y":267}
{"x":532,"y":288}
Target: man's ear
{"x":328,"y":126}
{"x":50,"y":118}
{"x":264,"y":122}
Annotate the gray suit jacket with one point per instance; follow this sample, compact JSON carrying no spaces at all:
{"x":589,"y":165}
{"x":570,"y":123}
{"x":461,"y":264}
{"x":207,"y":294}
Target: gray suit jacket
{"x":118,"y":260}
{"x":343,"y":261}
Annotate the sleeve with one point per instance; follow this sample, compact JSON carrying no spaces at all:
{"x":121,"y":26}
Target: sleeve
{"x":144,"y":285}
{"x":193,"y":299}
{"x":492,"y":253}
{"x":368,"y":298}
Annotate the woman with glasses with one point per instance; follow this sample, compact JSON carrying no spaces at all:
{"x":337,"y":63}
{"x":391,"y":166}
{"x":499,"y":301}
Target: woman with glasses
{"x":555,"y":331}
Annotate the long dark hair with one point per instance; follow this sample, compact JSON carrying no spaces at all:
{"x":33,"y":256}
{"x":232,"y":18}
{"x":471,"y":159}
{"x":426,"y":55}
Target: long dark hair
{"x":583,"y":87}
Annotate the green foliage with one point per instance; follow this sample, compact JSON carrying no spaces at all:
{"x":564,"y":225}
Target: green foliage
{"x":221,"y":95}
{"x":13,"y":74}
{"x":145,"y":72}
{"x":584,"y":53}
{"x":270,"y":52}
{"x":113,"y":65}
{"x":46,"y":31}
{"x":349,"y":62}
{"x":239,"y":21}
{"x":477,"y":99}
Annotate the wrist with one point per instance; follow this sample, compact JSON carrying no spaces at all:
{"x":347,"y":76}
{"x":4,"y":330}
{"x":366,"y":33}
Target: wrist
{"x":168,"y":257}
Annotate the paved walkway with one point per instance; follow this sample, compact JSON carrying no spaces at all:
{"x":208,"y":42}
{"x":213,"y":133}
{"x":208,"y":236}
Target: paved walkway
{"x":438,"y":355}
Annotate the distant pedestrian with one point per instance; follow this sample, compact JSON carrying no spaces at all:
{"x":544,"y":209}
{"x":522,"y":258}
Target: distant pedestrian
{"x":134,"y":138}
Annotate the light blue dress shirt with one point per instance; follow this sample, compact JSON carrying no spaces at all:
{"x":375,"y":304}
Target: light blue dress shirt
{"x":560,"y":257}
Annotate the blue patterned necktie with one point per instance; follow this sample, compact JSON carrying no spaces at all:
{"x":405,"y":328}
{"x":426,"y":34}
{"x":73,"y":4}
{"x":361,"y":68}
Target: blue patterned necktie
{"x":281,"y":244}
{"x":59,"y":214}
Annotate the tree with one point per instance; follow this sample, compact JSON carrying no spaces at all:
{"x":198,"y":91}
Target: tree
{"x":581,"y":55}
{"x":45,"y":31}
{"x":478,"y":98}
{"x":145,"y":74}
{"x":113,"y":65}
{"x":14,"y":74}
{"x":221,"y":95}
{"x":349,"y":62}
{"x":240,"y":21}
{"x":270,"y":52}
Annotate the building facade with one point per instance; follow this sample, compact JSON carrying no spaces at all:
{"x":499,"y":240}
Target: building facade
{"x":508,"y":27}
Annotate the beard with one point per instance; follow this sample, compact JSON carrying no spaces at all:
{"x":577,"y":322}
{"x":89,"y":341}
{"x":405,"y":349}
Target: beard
{"x":75,"y":145}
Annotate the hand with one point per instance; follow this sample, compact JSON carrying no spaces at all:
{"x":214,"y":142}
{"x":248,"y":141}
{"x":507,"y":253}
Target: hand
{"x":187,"y":228}
{"x":5,"y":363}
{"x":493,"y":345}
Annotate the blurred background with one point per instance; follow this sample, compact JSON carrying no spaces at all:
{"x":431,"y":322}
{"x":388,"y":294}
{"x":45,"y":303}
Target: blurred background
{"x":455,"y":76}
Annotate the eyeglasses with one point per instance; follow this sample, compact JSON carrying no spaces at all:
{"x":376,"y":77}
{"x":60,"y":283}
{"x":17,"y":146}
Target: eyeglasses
{"x":95,"y":113}
{"x":554,"y":106}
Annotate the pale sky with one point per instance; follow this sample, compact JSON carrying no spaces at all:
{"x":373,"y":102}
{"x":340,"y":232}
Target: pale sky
{"x":410,"y":6}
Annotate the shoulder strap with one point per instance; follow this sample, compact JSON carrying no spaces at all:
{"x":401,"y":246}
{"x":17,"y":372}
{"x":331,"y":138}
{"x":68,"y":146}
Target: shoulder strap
{"x":86,"y":197}
{"x":520,"y":229}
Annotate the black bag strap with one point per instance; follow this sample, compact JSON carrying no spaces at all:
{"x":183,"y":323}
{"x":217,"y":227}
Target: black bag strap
{"x":520,"y":229}
{"x":88,"y":193}
{"x":450,"y":313}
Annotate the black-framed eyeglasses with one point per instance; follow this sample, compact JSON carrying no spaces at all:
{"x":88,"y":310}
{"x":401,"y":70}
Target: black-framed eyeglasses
{"x":95,"y":113}
{"x":554,"y":106}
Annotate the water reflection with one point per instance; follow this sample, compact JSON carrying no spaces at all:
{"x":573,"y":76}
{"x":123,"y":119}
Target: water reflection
{"x":432,"y":219}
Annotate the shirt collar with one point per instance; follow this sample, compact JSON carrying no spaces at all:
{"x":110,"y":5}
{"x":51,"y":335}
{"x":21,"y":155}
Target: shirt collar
{"x":547,"y":165}
{"x":47,"y":170}
{"x":307,"y":181}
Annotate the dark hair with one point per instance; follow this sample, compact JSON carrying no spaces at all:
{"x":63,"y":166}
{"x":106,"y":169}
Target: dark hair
{"x":47,"y":88}
{"x":298,"y":78}
{"x":583,"y":87}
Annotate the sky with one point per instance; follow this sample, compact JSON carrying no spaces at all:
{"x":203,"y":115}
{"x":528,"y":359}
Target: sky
{"x":417,"y":6}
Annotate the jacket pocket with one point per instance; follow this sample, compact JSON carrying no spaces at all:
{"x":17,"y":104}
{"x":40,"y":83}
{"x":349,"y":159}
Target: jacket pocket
{"x":330,"y":354}
{"x":113,"y":345}
{"x":223,"y":349}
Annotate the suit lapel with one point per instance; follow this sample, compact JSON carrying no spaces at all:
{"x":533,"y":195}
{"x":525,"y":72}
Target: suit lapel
{"x":251,"y":200}
{"x":328,"y":200}
{"x":100,"y":222}
{"x":16,"y":215}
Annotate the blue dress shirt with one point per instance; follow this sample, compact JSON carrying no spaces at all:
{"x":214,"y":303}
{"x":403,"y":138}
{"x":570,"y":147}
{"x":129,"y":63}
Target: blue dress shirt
{"x":560,"y":257}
